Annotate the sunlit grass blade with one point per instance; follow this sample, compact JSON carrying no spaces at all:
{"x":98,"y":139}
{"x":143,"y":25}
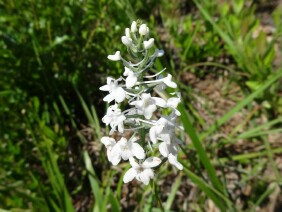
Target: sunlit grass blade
{"x":250,"y":155}
{"x":173,"y":191}
{"x":220,"y":200}
{"x":271,"y":188}
{"x":191,"y":131}
{"x":242,"y":104}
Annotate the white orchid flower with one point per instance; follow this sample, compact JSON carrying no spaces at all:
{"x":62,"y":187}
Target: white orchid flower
{"x":170,"y":151}
{"x":127,"y":32}
{"x":126,"y":149}
{"x":148,"y":105}
{"x":131,"y":78}
{"x":116,"y":92}
{"x":115,"y":57}
{"x":148,"y":44}
{"x":109,"y":144}
{"x":173,"y":103}
{"x":134,"y":27}
{"x":126,"y":41}
{"x":142,"y":172}
{"x":114,"y":118}
{"x":143,"y":29}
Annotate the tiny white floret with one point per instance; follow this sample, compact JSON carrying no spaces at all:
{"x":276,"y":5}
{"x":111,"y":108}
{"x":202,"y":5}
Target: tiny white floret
{"x":143,"y":30}
{"x":126,"y":41}
{"x":126,"y":149}
{"x":127,"y":32}
{"x":115,"y":57}
{"x":134,"y":27}
{"x":148,"y":44}
{"x":141,"y":172}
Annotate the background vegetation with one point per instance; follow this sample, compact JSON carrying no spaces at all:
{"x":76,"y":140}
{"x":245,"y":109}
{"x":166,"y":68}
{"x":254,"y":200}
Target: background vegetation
{"x":226,"y":59}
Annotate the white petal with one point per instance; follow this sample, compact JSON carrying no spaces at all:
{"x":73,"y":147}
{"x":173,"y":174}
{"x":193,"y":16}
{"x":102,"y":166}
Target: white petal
{"x":126,"y":71}
{"x":115,"y":57}
{"x":104,"y":88}
{"x":115,"y":159}
{"x":122,"y":141}
{"x":138,"y":151}
{"x":119,"y":94}
{"x":160,"y":53}
{"x":126,"y":154}
{"x":153,"y":134}
{"x":148,"y":44}
{"x":130,"y":81}
{"x":151,"y":162}
{"x":109,"y":154}
{"x":110,"y":97}
{"x":149,"y":172}
{"x":129,"y":175}
{"x":115,"y":154}
{"x":163,"y":148}
{"x":159,"y":101}
{"x":143,"y":29}
{"x":148,"y":111}
{"x":134,"y":26}
{"x":126,"y":40}
{"x":108,"y":141}
{"x":173,"y":102}
{"x":173,"y":160}
{"x":133,"y":163}
{"x":127,"y":32}
{"x":144,"y":177}
{"x":121,"y":127}
{"x":168,"y":82}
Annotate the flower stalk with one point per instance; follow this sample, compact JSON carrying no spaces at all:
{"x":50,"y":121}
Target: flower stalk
{"x":152,"y":138}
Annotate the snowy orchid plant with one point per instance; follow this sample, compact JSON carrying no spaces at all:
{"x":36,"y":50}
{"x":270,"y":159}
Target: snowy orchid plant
{"x":152,"y":139}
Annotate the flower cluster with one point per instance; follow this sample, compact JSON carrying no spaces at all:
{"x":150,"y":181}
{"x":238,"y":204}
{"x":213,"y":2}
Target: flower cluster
{"x":150,"y":132}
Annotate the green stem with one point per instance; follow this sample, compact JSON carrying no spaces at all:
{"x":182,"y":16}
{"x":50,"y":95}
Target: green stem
{"x":156,"y":194}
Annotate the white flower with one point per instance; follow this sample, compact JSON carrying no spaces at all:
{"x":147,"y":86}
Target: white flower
{"x":116,"y":92}
{"x":126,"y":149}
{"x":127,"y":32}
{"x":143,"y":30}
{"x":126,"y":40}
{"x":173,"y":103}
{"x":134,"y":27}
{"x":157,"y":129}
{"x":148,"y":44}
{"x":148,"y":105}
{"x":172,"y":159}
{"x":115,"y":57}
{"x":168,"y":82}
{"x":109,"y":144}
{"x":114,"y":118}
{"x":170,"y":151}
{"x":131,"y":78}
{"x":142,"y":172}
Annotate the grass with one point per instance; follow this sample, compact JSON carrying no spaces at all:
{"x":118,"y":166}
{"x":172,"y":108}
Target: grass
{"x":53,"y":60}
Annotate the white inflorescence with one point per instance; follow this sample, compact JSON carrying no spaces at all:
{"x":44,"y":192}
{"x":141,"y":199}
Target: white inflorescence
{"x":150,"y":132}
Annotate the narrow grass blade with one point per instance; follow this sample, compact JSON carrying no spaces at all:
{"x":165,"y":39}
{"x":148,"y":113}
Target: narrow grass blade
{"x":250,"y":155}
{"x":173,"y":191}
{"x":242,"y":104}
{"x":190,"y":130}
{"x":205,"y":188}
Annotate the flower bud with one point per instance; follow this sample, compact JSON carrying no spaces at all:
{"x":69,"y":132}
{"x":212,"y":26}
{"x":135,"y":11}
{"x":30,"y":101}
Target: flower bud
{"x":126,"y":40}
{"x":127,"y":32}
{"x":143,"y":30}
{"x":134,"y":27}
{"x":160,"y":53}
{"x":115,"y":57}
{"x":148,"y":44}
